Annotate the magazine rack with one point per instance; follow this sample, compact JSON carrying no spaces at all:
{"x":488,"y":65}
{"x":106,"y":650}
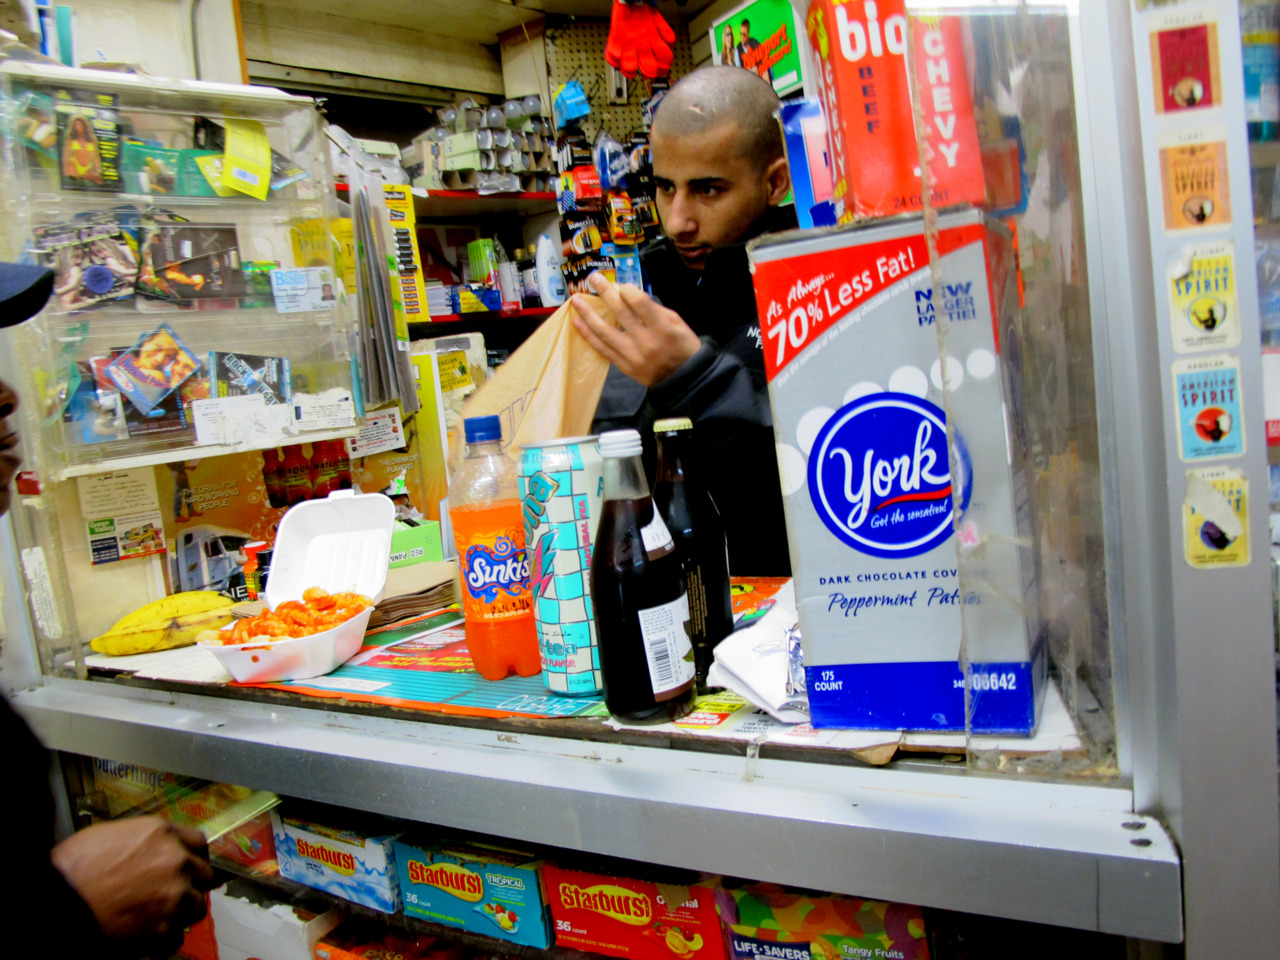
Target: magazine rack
{"x":188,"y":227}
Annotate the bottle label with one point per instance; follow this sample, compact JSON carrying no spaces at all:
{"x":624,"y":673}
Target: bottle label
{"x":495,"y":575}
{"x":665,"y":629}
{"x":656,"y":536}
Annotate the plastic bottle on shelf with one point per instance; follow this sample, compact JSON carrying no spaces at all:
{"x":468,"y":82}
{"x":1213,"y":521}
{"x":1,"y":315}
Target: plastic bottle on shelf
{"x":296,"y":470}
{"x":273,"y":478}
{"x":484,"y":508}
{"x":528,"y":278}
{"x":550,"y":279}
{"x":325,"y":456}
{"x":698,"y":531}
{"x":638,"y":591}
{"x":1260,"y":35}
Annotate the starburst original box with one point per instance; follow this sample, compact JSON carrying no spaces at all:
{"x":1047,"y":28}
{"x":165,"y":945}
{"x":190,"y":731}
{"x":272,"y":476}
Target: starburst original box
{"x":769,"y":922}
{"x":477,"y":887}
{"x":639,"y":919}
{"x":857,"y":343}
{"x":356,"y":865}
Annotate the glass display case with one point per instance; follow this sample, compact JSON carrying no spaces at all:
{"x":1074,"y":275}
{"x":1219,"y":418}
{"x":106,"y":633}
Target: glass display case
{"x":1098,"y":582}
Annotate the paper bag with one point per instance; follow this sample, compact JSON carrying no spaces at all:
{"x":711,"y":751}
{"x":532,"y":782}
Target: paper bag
{"x":548,"y":388}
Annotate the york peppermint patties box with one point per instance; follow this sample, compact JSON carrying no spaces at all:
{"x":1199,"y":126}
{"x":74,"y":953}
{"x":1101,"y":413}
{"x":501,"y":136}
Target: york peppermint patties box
{"x":852,"y":350}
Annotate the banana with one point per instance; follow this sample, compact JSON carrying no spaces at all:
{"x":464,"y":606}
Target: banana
{"x":171,"y":622}
{"x":176,"y":605}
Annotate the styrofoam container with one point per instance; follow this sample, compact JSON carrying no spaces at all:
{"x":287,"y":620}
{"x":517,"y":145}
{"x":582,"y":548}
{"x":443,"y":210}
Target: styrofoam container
{"x":341,"y":543}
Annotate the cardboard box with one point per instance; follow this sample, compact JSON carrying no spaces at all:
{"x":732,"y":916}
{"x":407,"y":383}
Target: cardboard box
{"x":769,"y":922}
{"x":361,"y":940}
{"x":640,"y":919}
{"x":410,"y":545}
{"x":357,"y":866}
{"x":198,"y":941}
{"x":251,"y":923}
{"x":489,"y":890}
{"x":855,"y":384}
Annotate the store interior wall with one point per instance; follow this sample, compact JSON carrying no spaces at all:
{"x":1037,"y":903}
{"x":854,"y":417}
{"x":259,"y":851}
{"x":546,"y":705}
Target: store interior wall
{"x":157,"y":35}
{"x":290,"y":36}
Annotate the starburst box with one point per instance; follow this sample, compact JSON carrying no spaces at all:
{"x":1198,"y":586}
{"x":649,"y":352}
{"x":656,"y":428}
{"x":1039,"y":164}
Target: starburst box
{"x":357,"y":865}
{"x":860,"y":338}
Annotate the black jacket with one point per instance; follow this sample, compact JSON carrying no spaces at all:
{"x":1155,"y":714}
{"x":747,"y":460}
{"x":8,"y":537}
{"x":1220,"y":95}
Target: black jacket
{"x":722,"y":389}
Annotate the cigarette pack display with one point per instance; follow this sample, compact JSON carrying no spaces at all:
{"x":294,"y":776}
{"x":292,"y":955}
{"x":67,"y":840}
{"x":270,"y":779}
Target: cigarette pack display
{"x":473,"y":886}
{"x":872,"y":504}
{"x":769,"y":922}
{"x":641,"y":919}
{"x":356,"y":865}
{"x":860,"y":51}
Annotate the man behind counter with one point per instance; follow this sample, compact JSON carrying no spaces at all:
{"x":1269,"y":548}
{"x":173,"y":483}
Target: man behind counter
{"x":694,"y":349}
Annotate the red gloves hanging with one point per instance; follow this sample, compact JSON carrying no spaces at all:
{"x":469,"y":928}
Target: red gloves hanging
{"x":639,"y":39}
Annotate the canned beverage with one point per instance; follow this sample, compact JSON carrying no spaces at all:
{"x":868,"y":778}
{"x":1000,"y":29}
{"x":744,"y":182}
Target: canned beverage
{"x":560,"y":486}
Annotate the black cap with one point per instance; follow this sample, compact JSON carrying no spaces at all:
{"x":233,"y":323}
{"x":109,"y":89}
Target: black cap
{"x":24,"y":290}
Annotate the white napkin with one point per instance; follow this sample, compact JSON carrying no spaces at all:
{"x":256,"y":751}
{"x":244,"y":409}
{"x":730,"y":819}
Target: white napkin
{"x":752,"y":662}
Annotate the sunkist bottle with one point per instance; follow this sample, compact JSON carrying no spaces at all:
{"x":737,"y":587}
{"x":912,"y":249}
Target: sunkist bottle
{"x":296,"y":471}
{"x":484,"y":507}
{"x":637,"y":588}
{"x":698,"y":532}
{"x":273,"y":478}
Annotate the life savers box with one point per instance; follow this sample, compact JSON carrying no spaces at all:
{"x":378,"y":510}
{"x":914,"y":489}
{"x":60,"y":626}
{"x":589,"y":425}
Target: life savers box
{"x":476,"y":887}
{"x":852,"y":352}
{"x":357,"y":866}
{"x":641,"y":919}
{"x":770,"y":922}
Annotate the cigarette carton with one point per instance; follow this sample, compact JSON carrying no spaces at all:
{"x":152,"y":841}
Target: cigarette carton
{"x":485,"y":889}
{"x":357,"y":866}
{"x":855,"y":370}
{"x":639,"y":919}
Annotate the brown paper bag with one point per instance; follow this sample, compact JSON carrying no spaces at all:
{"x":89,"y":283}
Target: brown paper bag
{"x":548,"y":388}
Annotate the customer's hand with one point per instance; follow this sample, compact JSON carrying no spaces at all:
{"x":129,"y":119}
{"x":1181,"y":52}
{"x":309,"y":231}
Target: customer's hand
{"x":142,"y":877}
{"x":650,"y":342}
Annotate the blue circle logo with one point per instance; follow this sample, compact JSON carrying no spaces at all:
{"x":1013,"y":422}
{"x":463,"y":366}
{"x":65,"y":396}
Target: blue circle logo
{"x":880,"y":478}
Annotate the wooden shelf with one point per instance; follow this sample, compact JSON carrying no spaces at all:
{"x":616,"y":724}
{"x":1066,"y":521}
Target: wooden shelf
{"x":438,"y":204}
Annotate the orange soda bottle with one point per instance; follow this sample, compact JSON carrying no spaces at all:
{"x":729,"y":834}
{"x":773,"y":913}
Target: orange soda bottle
{"x":484,"y":508}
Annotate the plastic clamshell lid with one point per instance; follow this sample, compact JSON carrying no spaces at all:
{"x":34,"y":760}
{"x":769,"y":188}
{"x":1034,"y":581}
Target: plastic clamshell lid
{"x":340,"y":543}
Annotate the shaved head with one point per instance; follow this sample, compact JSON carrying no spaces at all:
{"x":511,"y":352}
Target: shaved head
{"x":715,"y":95}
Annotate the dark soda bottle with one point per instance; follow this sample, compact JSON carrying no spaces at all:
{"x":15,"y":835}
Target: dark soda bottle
{"x":273,"y":478}
{"x":638,"y":593}
{"x":698,"y":532}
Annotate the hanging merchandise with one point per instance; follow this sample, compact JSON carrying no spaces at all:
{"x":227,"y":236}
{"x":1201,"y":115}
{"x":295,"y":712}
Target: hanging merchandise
{"x":570,"y":103}
{"x":640,"y":40}
{"x":611,"y":161}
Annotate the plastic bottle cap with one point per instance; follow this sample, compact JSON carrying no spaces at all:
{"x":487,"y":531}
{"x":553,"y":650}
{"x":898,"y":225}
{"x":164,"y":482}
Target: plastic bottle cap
{"x":671,"y":424}
{"x":620,"y":443}
{"x":480,"y":429}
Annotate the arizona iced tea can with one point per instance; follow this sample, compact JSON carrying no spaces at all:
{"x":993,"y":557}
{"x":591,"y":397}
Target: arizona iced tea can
{"x":560,"y":486}
{"x":874,"y":494}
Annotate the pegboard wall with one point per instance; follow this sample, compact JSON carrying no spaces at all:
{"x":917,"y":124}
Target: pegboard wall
{"x":575,"y":51}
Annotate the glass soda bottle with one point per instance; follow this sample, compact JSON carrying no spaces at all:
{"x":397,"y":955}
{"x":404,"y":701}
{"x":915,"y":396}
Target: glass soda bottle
{"x":296,"y":470}
{"x":638,"y":592}
{"x":698,"y":532}
{"x":273,"y":478}
{"x":489,"y":532}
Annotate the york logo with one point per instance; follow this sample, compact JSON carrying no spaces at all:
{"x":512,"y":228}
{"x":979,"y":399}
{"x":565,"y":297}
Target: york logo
{"x":501,"y":568}
{"x":336,"y":860}
{"x":462,"y":883}
{"x":617,"y":903}
{"x":879,"y":476}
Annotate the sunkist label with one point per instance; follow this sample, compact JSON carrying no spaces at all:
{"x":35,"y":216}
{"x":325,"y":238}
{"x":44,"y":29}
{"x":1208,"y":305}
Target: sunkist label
{"x":495,"y":573}
{"x":450,"y":877}
{"x":339,"y":861}
{"x":617,"y":903}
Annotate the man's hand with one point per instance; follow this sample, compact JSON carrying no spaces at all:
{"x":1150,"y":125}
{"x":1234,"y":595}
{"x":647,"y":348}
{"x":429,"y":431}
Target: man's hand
{"x":653,"y":342}
{"x":142,"y":877}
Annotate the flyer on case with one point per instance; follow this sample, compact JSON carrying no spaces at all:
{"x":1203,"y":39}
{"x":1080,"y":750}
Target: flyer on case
{"x":121,"y":513}
{"x":1215,"y":518}
{"x":1202,"y":299}
{"x":1207,"y":391}
{"x":1193,"y":178}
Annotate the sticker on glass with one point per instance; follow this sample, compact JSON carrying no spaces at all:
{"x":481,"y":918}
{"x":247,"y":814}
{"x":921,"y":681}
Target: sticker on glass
{"x":1207,"y":393}
{"x":1202,"y":299}
{"x":1193,"y":178}
{"x":1215,"y":518}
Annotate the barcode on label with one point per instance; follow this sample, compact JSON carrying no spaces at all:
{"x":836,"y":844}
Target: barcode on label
{"x":667,"y":646}
{"x":248,"y":177}
{"x":660,"y":657}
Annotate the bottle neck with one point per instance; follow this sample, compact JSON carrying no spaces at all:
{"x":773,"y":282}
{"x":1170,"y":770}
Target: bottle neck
{"x":624,"y":478}
{"x":670,"y":458}
{"x":484,"y":448}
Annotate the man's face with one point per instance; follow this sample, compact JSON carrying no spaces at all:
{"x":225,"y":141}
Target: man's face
{"x":10,"y":462}
{"x":708,"y":194}
{"x":744,"y":32}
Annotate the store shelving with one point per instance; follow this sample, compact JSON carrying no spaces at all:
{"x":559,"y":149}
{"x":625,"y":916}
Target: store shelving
{"x":524,"y":313}
{"x":469,"y":203}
